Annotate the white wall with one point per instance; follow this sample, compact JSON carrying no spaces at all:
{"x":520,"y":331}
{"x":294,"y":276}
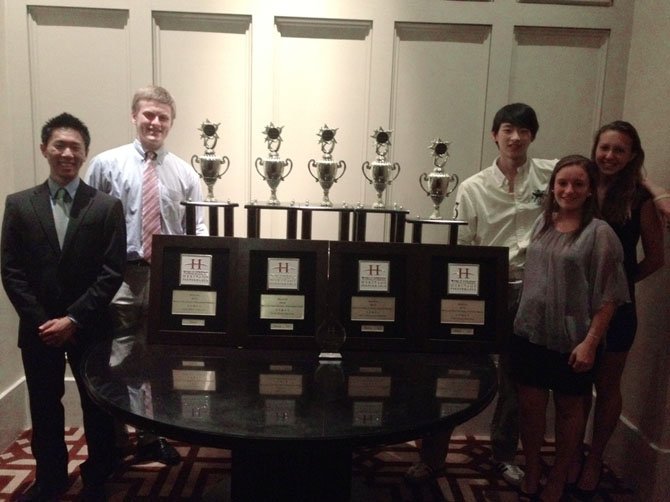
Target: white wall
{"x":424,"y":68}
{"x":12,"y":391}
{"x":643,"y":448}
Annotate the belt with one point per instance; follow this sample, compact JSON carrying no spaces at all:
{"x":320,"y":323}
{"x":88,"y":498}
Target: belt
{"x":138,"y":263}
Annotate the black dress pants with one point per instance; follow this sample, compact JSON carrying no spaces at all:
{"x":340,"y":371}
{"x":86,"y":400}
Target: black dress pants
{"x":45,"y":370}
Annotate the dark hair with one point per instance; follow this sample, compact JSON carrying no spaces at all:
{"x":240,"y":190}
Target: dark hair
{"x":616,"y":205}
{"x":590,"y":208}
{"x":518,"y":114}
{"x":67,"y":121}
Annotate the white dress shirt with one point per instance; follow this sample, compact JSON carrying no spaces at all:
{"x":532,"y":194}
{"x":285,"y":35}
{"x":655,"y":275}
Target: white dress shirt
{"x":118,"y":172}
{"x":498,"y":217}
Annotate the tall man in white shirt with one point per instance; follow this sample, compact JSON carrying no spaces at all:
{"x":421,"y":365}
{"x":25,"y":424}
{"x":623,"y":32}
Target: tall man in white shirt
{"x":500,"y":205}
{"x":126,"y":172}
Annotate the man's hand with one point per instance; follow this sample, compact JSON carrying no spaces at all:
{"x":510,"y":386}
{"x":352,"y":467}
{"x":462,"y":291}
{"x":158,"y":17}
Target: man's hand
{"x":56,"y":332}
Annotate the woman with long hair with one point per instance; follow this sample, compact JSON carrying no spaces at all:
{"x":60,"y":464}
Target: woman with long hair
{"x":574,"y":280}
{"x":626,"y":204}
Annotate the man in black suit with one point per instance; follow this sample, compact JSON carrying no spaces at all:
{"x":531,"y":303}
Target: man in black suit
{"x":63,"y":257}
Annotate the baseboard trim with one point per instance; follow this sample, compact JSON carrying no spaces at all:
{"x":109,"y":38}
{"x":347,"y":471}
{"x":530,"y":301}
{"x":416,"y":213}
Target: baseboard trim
{"x":12,"y":387}
{"x":14,"y":403}
{"x":645,"y":439}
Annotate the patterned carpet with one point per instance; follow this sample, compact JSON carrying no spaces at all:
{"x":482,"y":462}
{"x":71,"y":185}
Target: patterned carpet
{"x":378,"y":474}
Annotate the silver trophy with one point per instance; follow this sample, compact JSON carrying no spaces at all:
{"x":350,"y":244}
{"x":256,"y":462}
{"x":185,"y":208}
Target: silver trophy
{"x":210,"y":164}
{"x":326,"y":168}
{"x":438,"y":180}
{"x":381,"y":168}
{"x":273,"y":165}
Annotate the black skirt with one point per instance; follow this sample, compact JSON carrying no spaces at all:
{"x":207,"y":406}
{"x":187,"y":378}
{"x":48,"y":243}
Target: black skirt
{"x":537,"y":366}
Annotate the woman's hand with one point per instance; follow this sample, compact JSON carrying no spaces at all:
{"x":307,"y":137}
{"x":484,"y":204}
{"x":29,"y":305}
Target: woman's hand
{"x":661,"y":199}
{"x":583,"y":356}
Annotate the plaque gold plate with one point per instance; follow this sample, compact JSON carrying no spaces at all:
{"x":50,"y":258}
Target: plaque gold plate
{"x":192,"y":302}
{"x":462,"y":312}
{"x":282,"y":307}
{"x":369,"y":386}
{"x":280,"y":385}
{"x":372,"y":308}
{"x":194,"y":380}
{"x":457,"y":388}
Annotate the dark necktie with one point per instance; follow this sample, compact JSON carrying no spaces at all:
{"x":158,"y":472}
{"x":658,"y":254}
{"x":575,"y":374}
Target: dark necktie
{"x":61,"y":213}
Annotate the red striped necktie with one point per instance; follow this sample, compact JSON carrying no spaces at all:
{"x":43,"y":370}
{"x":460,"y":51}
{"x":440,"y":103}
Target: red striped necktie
{"x":151,"y":211}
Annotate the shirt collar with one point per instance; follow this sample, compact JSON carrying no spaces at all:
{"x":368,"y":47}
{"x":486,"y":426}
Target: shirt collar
{"x":71,"y":187}
{"x":500,"y":178}
{"x":160,"y":154}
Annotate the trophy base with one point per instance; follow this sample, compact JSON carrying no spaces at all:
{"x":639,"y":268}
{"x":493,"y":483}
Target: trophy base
{"x":325,"y":202}
{"x":330,"y":356}
{"x":435,"y":216}
{"x":274,"y":201}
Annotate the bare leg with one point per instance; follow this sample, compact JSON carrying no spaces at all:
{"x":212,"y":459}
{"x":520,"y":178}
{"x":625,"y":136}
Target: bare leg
{"x":532,"y":413}
{"x":569,"y":431}
{"x":575,"y":469}
{"x":606,"y":415}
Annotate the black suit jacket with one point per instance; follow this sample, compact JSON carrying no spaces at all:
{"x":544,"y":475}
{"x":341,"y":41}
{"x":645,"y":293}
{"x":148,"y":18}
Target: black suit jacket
{"x":42,"y":281}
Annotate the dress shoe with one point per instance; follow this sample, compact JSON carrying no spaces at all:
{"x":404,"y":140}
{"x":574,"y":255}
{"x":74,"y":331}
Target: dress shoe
{"x":421,"y":472}
{"x":43,"y":492}
{"x":93,"y":493}
{"x":94,"y":474}
{"x":158,"y":451}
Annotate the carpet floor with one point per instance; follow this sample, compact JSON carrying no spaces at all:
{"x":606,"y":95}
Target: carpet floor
{"x":377,"y":475}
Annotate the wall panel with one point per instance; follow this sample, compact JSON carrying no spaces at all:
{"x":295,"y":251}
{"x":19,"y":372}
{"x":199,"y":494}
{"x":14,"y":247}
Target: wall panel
{"x":204,"y":60}
{"x":448,"y":64}
{"x":79,"y":63}
{"x":321,"y":77}
{"x":571,"y":63}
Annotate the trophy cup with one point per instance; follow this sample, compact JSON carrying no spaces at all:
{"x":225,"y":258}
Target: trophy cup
{"x":273,"y":166}
{"x":438,"y":180}
{"x":210,"y":164}
{"x":326,"y":168}
{"x":381,"y":168}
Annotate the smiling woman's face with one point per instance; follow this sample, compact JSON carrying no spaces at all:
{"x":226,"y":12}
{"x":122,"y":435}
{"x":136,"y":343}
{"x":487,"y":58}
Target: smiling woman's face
{"x":613,"y":152}
{"x":571,"y":188}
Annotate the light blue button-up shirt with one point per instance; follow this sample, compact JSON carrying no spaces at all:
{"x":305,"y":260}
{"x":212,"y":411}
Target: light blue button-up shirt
{"x":118,"y":172}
